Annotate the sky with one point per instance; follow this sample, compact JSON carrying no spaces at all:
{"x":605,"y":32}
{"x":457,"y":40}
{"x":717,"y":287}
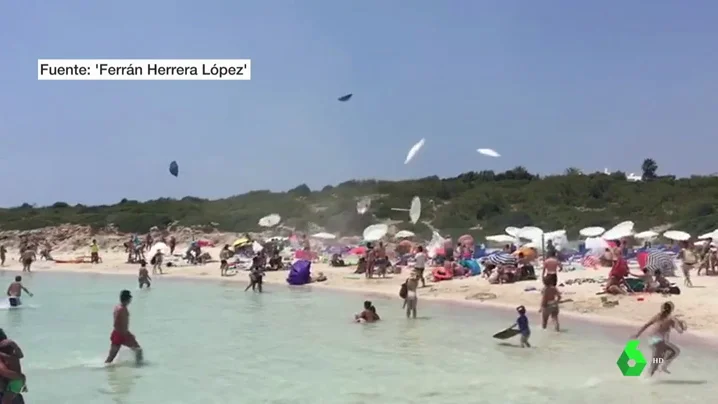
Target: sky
{"x":548,"y":84}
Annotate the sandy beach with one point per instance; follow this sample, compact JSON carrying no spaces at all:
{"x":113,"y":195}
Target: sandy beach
{"x":695,"y":305}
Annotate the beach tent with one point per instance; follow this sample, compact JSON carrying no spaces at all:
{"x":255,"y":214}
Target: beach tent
{"x":300,"y":273}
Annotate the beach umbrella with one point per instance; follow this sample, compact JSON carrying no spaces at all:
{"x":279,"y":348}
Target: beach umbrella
{"x":660,"y":261}
{"x":357,"y":251}
{"x":414,"y":149}
{"x":159,"y":247}
{"x":593,"y":231}
{"x":404,"y":234}
{"x":415,"y":210}
{"x":677,"y":235}
{"x":513,"y":231}
{"x":323,"y":236}
{"x":174,"y":168}
{"x":488,"y":152}
{"x":713,"y":235}
{"x":363,"y":205}
{"x":501,"y":258}
{"x":345,"y":98}
{"x":375,"y":232}
{"x":619,"y":231}
{"x":270,"y":220}
{"x":501,"y":238}
{"x":646,"y":235}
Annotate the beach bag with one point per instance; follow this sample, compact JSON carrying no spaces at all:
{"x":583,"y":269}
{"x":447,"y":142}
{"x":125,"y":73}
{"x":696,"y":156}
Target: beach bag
{"x":153,"y":261}
{"x":403,"y":291}
{"x":674,"y":290}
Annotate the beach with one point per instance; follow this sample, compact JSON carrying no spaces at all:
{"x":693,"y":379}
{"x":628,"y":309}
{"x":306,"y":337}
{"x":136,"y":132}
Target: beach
{"x":695,"y":305}
{"x":210,"y":342}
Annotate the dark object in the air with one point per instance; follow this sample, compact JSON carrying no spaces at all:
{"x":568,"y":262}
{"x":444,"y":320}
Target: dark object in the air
{"x":174,"y":168}
{"x":345,"y":98}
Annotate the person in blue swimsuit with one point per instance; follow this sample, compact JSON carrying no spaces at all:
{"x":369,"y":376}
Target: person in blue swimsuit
{"x":522,"y":323}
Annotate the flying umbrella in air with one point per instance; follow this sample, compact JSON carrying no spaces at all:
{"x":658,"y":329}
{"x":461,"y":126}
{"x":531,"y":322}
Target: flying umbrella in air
{"x":174,"y":168}
{"x":345,"y":98}
{"x":488,"y":152}
{"x":414,"y":149}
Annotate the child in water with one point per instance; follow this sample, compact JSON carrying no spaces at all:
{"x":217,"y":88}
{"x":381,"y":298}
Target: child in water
{"x":144,"y":276}
{"x":368,"y":315}
{"x":522,"y":323}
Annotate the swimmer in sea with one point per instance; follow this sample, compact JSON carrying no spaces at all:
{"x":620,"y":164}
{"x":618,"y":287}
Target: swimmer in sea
{"x":368,"y":315}
{"x":522,"y":324}
{"x":14,"y":292}
{"x":121,"y":334}
{"x":663,"y":322}
{"x":144,"y":275}
{"x":550,"y":298}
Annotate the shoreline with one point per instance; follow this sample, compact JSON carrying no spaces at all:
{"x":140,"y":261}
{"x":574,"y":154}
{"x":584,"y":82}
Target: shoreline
{"x":383,"y":288}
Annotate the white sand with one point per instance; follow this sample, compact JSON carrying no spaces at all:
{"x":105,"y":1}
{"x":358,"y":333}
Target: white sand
{"x":696,"y":305}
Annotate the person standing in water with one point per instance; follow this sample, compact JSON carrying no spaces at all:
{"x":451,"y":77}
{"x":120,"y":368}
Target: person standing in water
{"x":14,"y":292}
{"x":663,"y":349}
{"x":368,"y":315}
{"x":522,"y":324}
{"x":121,"y":335}
{"x":411,"y":301}
{"x":550,"y":298}
{"x":144,"y":275}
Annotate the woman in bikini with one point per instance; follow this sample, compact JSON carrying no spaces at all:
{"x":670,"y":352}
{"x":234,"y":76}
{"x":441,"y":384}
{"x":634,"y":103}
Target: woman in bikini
{"x":663,"y":349}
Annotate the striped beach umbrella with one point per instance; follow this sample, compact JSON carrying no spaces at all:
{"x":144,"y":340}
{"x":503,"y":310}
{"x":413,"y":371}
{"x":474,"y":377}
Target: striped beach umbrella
{"x":660,"y":261}
{"x":501,"y":258}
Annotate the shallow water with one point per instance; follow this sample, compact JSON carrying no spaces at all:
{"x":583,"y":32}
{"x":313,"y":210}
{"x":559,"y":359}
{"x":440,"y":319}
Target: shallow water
{"x":208,"y":342}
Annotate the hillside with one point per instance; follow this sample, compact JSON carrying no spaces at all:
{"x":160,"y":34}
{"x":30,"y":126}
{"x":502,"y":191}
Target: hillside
{"x":485,"y":202}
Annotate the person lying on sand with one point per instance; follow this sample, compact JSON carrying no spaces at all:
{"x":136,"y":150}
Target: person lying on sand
{"x":368,"y":315}
{"x":663,"y":349}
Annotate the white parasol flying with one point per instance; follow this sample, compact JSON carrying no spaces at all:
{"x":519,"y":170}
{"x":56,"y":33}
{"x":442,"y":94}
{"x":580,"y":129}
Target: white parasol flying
{"x":324,"y":236}
{"x":404,"y":234}
{"x":414,"y":149}
{"x":513,"y":231}
{"x":619,"y":231}
{"x":677,"y":235}
{"x":488,"y":152}
{"x":713,"y":235}
{"x":270,"y":220}
{"x":593,"y":231}
{"x":645,"y":235}
{"x":415,"y":210}
{"x":375,"y":232}
{"x":501,"y":238}
{"x":363,"y":205}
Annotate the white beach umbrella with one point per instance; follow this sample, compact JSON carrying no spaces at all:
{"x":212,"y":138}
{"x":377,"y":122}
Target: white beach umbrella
{"x":363,"y":205}
{"x":531,"y":233}
{"x":619,"y":231}
{"x":713,"y":235}
{"x":375,"y":232}
{"x":513,"y":231}
{"x":256,"y":247}
{"x":677,"y":235}
{"x":161,"y":247}
{"x":644,"y":235}
{"x":501,"y":238}
{"x":404,"y":234}
{"x":593,"y":231}
{"x":415,"y":210}
{"x":414,"y":149}
{"x":489,"y":152}
{"x":323,"y":236}
{"x":270,"y":220}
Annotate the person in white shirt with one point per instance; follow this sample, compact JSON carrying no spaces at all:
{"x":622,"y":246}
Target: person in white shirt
{"x":420,"y":259}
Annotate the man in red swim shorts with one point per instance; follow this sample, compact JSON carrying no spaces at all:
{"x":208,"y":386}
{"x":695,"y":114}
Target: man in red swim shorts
{"x":121,"y":334}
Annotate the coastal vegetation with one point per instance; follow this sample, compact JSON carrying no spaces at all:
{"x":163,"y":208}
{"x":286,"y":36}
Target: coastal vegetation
{"x":482,"y":202}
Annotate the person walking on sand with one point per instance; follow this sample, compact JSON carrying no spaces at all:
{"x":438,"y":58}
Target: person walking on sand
{"x":420,"y":259}
{"x":14,"y":292}
{"x":3,"y":255}
{"x":551,"y":266}
{"x":156,"y":262}
{"x":663,"y":350}
{"x":689,"y":260}
{"x":224,"y":256}
{"x":121,"y":335}
{"x":173,"y":245}
{"x":27,"y":257}
{"x":412,"y":299}
{"x":550,"y":298}
{"x":94,"y":252}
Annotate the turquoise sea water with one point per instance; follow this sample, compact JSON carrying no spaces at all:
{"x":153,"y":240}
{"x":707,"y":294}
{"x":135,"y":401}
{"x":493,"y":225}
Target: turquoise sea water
{"x":209,"y":342}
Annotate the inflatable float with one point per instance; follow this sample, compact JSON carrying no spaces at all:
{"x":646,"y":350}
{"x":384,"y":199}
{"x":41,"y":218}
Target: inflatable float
{"x":441,"y":274}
